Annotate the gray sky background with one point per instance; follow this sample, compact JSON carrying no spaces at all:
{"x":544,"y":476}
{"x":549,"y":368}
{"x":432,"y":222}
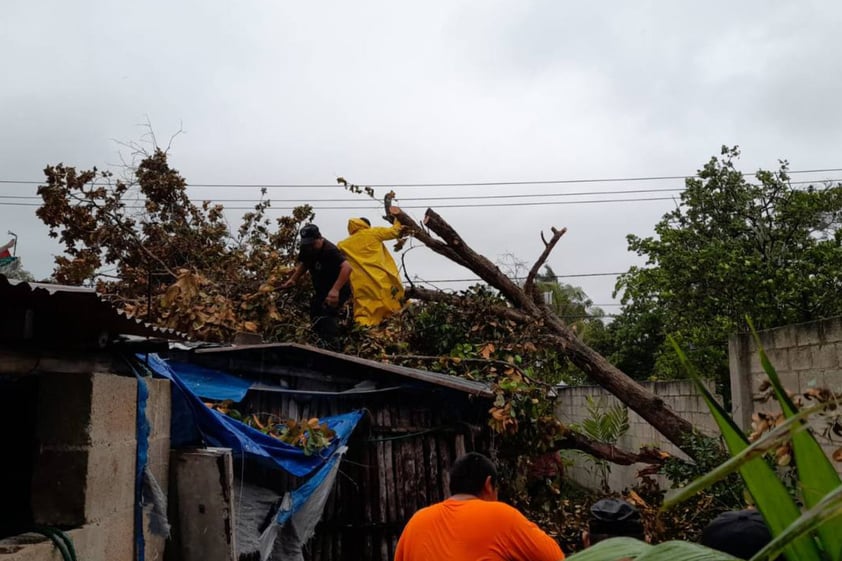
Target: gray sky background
{"x":436,"y":91}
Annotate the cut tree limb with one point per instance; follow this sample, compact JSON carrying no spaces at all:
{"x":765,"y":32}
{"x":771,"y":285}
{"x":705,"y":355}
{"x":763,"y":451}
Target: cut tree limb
{"x":640,"y":400}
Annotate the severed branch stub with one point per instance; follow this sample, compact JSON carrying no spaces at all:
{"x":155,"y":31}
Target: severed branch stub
{"x":529,"y":285}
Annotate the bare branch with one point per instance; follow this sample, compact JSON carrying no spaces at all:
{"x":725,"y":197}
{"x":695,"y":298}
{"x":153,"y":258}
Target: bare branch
{"x":529,"y":285}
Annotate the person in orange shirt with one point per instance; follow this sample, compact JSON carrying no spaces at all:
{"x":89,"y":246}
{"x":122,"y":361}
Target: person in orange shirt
{"x":472,"y":525}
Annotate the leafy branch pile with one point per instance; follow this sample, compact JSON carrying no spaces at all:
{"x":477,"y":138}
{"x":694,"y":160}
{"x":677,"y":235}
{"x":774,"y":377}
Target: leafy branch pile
{"x":310,"y":435}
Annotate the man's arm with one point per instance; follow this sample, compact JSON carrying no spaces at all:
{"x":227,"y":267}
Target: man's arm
{"x":527,"y":541}
{"x":299,"y":270}
{"x":391,"y":233}
{"x":332,"y":299}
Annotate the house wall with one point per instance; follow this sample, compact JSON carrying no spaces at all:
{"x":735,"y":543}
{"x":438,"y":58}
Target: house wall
{"x":681,"y":395}
{"x":84,"y":467}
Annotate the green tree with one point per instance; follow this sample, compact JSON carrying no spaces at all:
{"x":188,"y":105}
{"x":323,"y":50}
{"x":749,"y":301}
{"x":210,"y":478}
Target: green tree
{"x":768,"y":249}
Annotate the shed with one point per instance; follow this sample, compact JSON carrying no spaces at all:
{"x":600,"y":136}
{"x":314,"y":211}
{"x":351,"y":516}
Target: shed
{"x":417,"y":422}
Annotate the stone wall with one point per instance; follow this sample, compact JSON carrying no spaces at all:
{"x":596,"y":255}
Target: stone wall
{"x":84,"y":470}
{"x":681,"y":396}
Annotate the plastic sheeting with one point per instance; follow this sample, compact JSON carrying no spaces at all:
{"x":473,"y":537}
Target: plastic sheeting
{"x":216,"y":429}
{"x":211,"y":384}
{"x":299,"y":513}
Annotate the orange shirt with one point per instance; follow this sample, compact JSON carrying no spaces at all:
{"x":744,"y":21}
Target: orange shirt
{"x":474,"y":530}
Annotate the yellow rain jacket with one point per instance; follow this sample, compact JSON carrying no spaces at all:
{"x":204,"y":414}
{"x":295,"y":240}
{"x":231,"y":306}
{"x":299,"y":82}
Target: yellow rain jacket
{"x":377,"y":288}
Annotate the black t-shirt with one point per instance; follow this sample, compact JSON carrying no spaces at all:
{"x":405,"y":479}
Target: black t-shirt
{"x":324,"y":267}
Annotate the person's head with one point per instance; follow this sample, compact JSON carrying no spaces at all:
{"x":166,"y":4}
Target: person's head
{"x":311,"y":239}
{"x":474,"y":474}
{"x":357,"y":224}
{"x":613,"y":518}
{"x":740,"y":533}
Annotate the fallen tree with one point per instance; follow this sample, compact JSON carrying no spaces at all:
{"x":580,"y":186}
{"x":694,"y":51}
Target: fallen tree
{"x":528,"y":307}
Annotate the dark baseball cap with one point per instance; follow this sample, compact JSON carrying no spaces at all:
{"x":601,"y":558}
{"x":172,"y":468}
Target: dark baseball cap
{"x":741,"y":533}
{"x":615,"y":517}
{"x":309,"y":234}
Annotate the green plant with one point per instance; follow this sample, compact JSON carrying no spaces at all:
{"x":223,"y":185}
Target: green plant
{"x":606,"y":425}
{"x":814,"y":535}
{"x":727,"y":494}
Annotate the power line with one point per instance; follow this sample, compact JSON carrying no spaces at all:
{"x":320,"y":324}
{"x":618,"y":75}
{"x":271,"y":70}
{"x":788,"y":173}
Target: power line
{"x":450,"y":198}
{"x":411,"y":207}
{"x":570,"y":276}
{"x":455,"y":183}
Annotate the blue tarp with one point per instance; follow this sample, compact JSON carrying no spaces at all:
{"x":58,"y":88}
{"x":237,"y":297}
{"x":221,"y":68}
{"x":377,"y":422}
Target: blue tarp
{"x":210,"y":384}
{"x":216,"y":429}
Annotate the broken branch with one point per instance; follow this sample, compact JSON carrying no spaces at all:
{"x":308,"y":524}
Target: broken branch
{"x":529,"y":285}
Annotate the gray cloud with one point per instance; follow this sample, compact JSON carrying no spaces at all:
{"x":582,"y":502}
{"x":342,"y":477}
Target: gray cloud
{"x":437,"y":91}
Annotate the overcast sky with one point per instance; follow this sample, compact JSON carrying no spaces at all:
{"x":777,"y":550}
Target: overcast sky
{"x":448,"y":91}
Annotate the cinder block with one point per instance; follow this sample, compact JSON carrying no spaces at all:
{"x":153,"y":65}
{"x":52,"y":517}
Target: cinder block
{"x":76,"y":486}
{"x":29,"y":547}
{"x":833,"y":330}
{"x":824,"y":356}
{"x":779,"y":359}
{"x":800,"y":358}
{"x":158,"y":407}
{"x":783,"y":337}
{"x":81,"y":409}
{"x":109,"y":540}
{"x":754,"y":363}
{"x":808,"y":334}
{"x":58,"y":487}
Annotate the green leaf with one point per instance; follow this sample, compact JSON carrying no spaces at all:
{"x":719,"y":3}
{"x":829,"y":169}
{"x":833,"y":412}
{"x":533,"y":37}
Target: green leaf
{"x":617,"y":548}
{"x":770,"y":495}
{"x":830,"y":507}
{"x":816,"y":474}
{"x":776,"y":437}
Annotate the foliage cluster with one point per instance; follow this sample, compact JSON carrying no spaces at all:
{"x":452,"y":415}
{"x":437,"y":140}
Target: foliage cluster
{"x":605,"y":424}
{"x":308,"y":434}
{"x":156,"y":254}
{"x":769,"y":248}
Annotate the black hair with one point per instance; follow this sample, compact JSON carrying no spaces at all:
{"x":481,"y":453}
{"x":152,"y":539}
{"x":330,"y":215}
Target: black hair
{"x":469,"y":472}
{"x":366,"y":220}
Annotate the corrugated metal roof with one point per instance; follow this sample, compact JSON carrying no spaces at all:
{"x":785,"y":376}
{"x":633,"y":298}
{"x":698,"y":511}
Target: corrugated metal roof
{"x":294,"y":350}
{"x":66,"y":314}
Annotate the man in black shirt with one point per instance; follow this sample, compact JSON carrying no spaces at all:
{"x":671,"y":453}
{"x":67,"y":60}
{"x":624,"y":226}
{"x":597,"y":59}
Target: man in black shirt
{"x":330,"y":273}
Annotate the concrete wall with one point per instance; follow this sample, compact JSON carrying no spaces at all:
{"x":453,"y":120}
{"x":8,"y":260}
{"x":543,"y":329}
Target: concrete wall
{"x":84,"y":475}
{"x":804,"y":355}
{"x":681,"y":396}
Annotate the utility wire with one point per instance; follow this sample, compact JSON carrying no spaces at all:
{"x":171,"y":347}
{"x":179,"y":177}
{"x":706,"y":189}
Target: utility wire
{"x":374,"y":205}
{"x":454,"y":198}
{"x":571,"y":276}
{"x":456,"y":184}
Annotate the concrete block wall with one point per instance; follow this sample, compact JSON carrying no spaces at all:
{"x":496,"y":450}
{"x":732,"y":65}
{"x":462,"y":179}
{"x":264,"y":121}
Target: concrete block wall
{"x":680,"y":395}
{"x":86,"y":466}
{"x":804,"y":355}
{"x":84,"y":474}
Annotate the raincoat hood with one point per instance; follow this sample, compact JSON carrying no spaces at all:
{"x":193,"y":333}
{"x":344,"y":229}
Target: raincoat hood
{"x":356,"y":224}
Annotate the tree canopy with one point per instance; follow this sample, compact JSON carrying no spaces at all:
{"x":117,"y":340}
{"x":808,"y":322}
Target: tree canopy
{"x":769,"y":248}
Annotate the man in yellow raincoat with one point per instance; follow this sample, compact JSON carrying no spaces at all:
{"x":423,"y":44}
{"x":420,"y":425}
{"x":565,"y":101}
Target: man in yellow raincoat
{"x":377,"y":288}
